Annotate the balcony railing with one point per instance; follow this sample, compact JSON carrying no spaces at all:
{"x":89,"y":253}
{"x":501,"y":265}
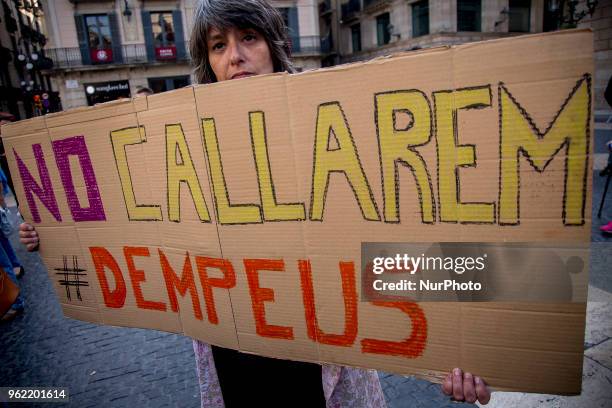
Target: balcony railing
{"x":130,"y":54}
{"x":308,"y":44}
{"x":350,"y":10}
{"x":367,"y":4}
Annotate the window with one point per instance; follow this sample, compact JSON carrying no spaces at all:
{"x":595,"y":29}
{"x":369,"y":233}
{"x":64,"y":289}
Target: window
{"x":99,"y":43}
{"x":163,"y":32}
{"x":290,"y":18}
{"x":520,"y":14}
{"x":158,"y":85}
{"x":98,"y":31}
{"x":420,"y":18}
{"x":383,"y":35}
{"x":551,"y":16}
{"x":356,"y":37}
{"x":468,"y":15}
{"x":284,"y":12}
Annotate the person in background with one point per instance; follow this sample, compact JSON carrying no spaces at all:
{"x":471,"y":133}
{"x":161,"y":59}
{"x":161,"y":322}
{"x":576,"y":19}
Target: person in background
{"x":8,"y":259}
{"x":607,"y":228}
{"x":7,"y":187}
{"x":607,"y":172}
{"x":233,"y":39}
{"x":6,"y":117}
{"x":143,"y":91}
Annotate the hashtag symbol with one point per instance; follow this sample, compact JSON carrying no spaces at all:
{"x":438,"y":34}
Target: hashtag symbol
{"x":71,"y":277}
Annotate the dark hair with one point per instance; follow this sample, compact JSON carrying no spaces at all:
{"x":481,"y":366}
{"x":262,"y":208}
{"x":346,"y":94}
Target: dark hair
{"x":144,"y":89}
{"x":223,"y":14}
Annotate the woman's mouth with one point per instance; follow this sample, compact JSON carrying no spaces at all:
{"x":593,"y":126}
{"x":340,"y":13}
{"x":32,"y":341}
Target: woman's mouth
{"x":242,"y":74}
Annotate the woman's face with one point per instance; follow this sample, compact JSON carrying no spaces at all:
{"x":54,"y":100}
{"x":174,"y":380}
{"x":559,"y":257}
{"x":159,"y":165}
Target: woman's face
{"x":238,"y":53}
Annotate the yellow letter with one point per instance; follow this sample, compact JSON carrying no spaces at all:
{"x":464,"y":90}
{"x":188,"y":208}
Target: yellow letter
{"x":344,"y":159}
{"x":226,"y":213}
{"x":120,"y":139}
{"x":451,"y":155}
{"x":182,"y":173}
{"x":520,"y":136}
{"x":394,"y":145}
{"x":271,"y":210}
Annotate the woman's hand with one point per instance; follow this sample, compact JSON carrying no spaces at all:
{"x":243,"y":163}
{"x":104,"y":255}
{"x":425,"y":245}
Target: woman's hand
{"x":28,"y":236}
{"x":466,"y":387}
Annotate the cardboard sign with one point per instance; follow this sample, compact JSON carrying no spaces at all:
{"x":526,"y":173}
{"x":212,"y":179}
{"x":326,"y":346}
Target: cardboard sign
{"x":234,"y":212}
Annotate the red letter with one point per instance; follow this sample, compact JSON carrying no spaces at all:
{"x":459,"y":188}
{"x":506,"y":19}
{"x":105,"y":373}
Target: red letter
{"x":227,"y":282}
{"x":260,"y":295}
{"x":413,"y":346}
{"x":137,"y":276}
{"x":349,"y":291}
{"x":182,"y":285}
{"x":101,"y":259}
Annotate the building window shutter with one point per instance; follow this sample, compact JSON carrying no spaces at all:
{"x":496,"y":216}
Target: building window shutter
{"x":115,"y":37}
{"x":148,"y":35}
{"x":294,"y":29}
{"x":81,"y":29}
{"x":179,"y":36}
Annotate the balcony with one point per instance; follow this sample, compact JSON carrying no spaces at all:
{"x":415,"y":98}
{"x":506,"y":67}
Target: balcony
{"x":306,"y":45}
{"x":371,"y":5}
{"x":350,"y":11}
{"x":131,"y":54}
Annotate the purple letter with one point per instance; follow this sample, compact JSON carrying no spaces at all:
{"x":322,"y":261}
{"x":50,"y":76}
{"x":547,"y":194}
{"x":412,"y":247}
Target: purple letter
{"x":45,"y":194}
{"x":76,"y":146}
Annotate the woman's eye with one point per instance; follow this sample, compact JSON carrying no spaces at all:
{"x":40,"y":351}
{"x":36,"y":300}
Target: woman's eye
{"x":249,"y":37}
{"x":217,"y":46}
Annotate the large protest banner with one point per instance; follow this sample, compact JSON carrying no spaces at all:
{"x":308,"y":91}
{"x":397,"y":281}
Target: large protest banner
{"x":234,"y":212}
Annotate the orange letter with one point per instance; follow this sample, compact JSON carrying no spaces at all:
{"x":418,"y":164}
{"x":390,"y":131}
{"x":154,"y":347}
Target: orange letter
{"x":101,"y":259}
{"x":229,"y":281}
{"x":137,"y":276}
{"x":413,"y":346}
{"x":182,"y":285}
{"x":347,"y":271}
{"x":260,"y":295}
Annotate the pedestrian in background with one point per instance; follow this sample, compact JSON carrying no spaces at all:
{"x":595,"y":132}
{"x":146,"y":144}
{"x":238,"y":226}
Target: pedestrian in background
{"x":6,"y":117}
{"x":143,"y":91}
{"x":8,"y":258}
{"x":607,"y":228}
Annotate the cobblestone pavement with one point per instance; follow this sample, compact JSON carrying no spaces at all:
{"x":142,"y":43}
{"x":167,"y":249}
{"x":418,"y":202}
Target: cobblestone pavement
{"x":103,"y":366}
{"x":106,"y":366}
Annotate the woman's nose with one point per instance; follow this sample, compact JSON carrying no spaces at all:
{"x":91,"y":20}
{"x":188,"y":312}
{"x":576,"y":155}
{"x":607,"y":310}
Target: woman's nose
{"x":236,"y":54}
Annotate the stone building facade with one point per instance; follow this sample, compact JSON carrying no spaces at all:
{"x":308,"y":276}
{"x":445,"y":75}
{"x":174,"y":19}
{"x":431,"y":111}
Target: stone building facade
{"x":103,"y":50}
{"x":363,"y":29}
{"x":106,"y":49}
{"x":25,"y":90}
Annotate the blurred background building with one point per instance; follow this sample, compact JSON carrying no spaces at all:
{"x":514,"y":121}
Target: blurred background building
{"x":105,"y":50}
{"x":363,"y":29}
{"x":25,"y":86}
{"x":91,"y":51}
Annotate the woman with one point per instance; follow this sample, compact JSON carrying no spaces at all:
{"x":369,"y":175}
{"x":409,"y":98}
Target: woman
{"x":233,"y":39}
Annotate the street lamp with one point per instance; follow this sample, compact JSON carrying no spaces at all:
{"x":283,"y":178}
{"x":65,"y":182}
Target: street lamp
{"x":127,"y":11}
{"x":572,"y":17}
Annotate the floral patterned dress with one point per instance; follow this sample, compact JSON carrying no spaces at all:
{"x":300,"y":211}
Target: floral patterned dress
{"x":342,"y":386}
